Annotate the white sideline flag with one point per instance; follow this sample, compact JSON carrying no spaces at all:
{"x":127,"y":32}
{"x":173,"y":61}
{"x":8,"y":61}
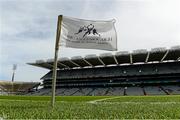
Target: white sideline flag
{"x":88,"y":34}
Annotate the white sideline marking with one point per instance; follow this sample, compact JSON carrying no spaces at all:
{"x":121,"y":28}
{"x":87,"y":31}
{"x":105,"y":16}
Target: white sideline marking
{"x":98,"y":100}
{"x":164,"y":102}
{"x":135,"y":102}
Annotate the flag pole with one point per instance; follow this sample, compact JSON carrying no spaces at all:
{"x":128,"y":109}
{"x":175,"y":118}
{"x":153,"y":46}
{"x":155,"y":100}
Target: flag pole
{"x":58,"y":33}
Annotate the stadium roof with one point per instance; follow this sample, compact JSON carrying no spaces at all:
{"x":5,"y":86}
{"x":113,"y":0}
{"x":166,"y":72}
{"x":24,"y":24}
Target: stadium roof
{"x":123,"y":57}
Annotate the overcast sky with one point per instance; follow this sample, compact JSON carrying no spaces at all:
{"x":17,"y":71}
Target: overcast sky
{"x":28,"y":29}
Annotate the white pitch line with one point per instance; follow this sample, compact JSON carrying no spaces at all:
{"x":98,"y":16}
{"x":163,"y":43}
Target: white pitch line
{"x":98,"y":100}
{"x":164,"y":102}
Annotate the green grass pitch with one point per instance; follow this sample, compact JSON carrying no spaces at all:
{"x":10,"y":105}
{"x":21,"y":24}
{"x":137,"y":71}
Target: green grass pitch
{"x":90,"y":107}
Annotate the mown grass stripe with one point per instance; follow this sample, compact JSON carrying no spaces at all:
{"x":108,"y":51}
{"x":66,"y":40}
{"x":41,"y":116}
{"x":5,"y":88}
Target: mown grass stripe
{"x":77,"y":107}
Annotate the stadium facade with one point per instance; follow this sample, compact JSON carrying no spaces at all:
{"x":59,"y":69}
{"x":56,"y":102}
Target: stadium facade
{"x":141,"y":72}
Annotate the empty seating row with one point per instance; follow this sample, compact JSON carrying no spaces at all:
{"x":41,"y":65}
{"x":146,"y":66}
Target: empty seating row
{"x":113,"y":91}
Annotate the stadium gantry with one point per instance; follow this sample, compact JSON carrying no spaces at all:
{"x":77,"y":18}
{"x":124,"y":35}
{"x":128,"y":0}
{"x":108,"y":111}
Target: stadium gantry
{"x":141,"y":72}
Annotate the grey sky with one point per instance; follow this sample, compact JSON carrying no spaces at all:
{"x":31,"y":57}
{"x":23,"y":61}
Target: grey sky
{"x":28,"y":29}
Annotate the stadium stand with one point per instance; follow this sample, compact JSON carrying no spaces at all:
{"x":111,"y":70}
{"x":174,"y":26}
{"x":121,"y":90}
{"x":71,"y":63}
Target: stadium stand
{"x":8,"y":87}
{"x":142,"y":72}
{"x":172,"y":89}
{"x":154,"y":90}
{"x":134,"y":91}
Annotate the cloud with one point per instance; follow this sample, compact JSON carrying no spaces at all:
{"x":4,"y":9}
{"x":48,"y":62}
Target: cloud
{"x":148,"y":24}
{"x":28,"y":28}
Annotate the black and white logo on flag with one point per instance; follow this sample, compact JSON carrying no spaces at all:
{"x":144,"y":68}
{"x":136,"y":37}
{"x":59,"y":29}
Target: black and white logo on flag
{"x":87,"y":30}
{"x":78,"y":33}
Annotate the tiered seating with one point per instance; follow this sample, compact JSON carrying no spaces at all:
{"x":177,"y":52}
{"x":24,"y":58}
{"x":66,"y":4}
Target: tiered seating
{"x":105,"y":91}
{"x":118,"y":90}
{"x":60,"y":91}
{"x":134,"y":91}
{"x":71,"y":91}
{"x":90,"y":92}
{"x":17,"y":87}
{"x":79,"y":92}
{"x":99,"y":91}
{"x":47,"y":92}
{"x":86,"y":90}
{"x":109,"y":91}
{"x":41,"y":92}
{"x":112,"y":91}
{"x":154,"y":90}
{"x":172,"y":89}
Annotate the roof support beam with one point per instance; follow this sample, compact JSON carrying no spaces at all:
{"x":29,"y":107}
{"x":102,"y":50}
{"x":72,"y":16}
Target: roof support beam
{"x":88,"y":63}
{"x":49,"y":64}
{"x":131,"y":59}
{"x":115,"y":59}
{"x":75,"y":63}
{"x":165,"y":55}
{"x":101,"y":61}
{"x":62,"y":64}
{"x":147,"y":57}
